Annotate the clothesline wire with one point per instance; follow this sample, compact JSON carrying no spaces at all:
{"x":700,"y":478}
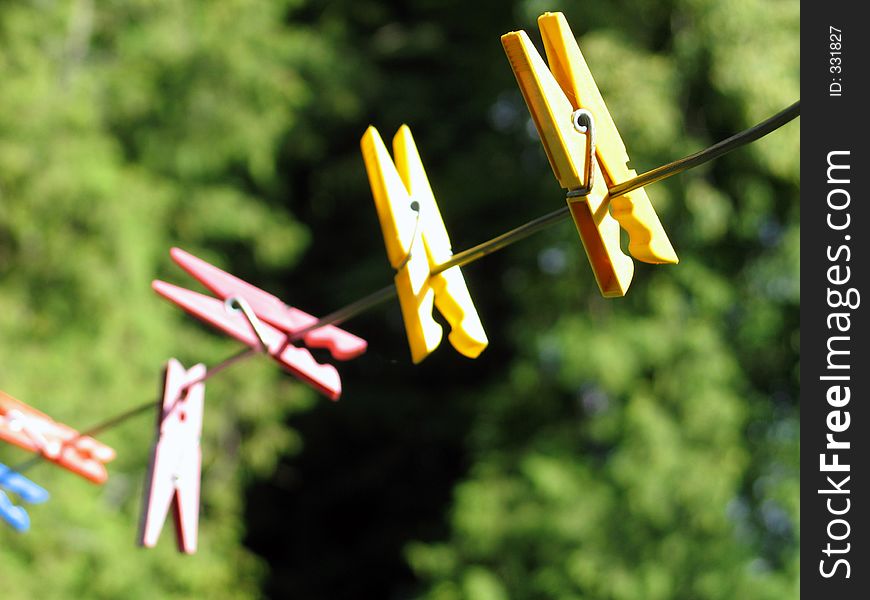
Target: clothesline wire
{"x":474,"y":254}
{"x":535,"y":225}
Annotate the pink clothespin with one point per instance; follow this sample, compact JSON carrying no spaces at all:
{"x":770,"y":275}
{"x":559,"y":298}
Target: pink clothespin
{"x":176,"y":459}
{"x":277,"y":326}
{"x":34,"y":431}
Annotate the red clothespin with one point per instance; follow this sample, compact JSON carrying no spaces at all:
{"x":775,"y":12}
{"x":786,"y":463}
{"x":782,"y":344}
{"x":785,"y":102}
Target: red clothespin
{"x":273,"y":326}
{"x":176,"y":459}
{"x":34,"y":431}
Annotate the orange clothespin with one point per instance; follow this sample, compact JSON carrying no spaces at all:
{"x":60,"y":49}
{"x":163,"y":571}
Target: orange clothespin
{"x":573,"y":120}
{"x":32,"y":430}
{"x":417,"y":243}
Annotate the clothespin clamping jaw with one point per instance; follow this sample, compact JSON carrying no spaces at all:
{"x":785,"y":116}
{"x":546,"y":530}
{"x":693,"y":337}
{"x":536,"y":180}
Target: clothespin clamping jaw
{"x":16,"y":516}
{"x":268,"y":324}
{"x":176,"y":459}
{"x":34,"y":431}
{"x":561,"y":99}
{"x":417,"y":245}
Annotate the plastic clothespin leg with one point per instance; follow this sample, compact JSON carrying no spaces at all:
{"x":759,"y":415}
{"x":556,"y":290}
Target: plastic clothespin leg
{"x":554,"y":95}
{"x":176,"y":459}
{"x":34,"y":431}
{"x":417,"y":243}
{"x":26,"y":490}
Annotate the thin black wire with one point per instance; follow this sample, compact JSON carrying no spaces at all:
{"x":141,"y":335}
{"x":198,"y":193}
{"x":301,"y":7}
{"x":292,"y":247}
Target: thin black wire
{"x":523,"y":231}
{"x":116,"y":420}
{"x":477,"y":252}
{"x":111,"y":422}
{"x":746,"y":136}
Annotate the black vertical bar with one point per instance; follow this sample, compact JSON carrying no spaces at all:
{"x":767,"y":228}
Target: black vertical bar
{"x":834,"y":332}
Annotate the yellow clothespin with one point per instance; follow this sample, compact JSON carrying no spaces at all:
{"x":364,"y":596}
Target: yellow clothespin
{"x":417,"y":243}
{"x":559,"y":97}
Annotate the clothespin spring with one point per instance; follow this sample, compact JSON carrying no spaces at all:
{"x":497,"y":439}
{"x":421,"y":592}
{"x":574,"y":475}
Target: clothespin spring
{"x":584,"y":123}
{"x":415,"y":206}
{"x":237,"y":303}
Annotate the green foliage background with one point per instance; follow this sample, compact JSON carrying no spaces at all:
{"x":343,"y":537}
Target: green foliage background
{"x":645,"y":447}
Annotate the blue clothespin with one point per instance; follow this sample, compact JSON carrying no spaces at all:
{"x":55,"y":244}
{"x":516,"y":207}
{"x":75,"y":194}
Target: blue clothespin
{"x":25,"y":489}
